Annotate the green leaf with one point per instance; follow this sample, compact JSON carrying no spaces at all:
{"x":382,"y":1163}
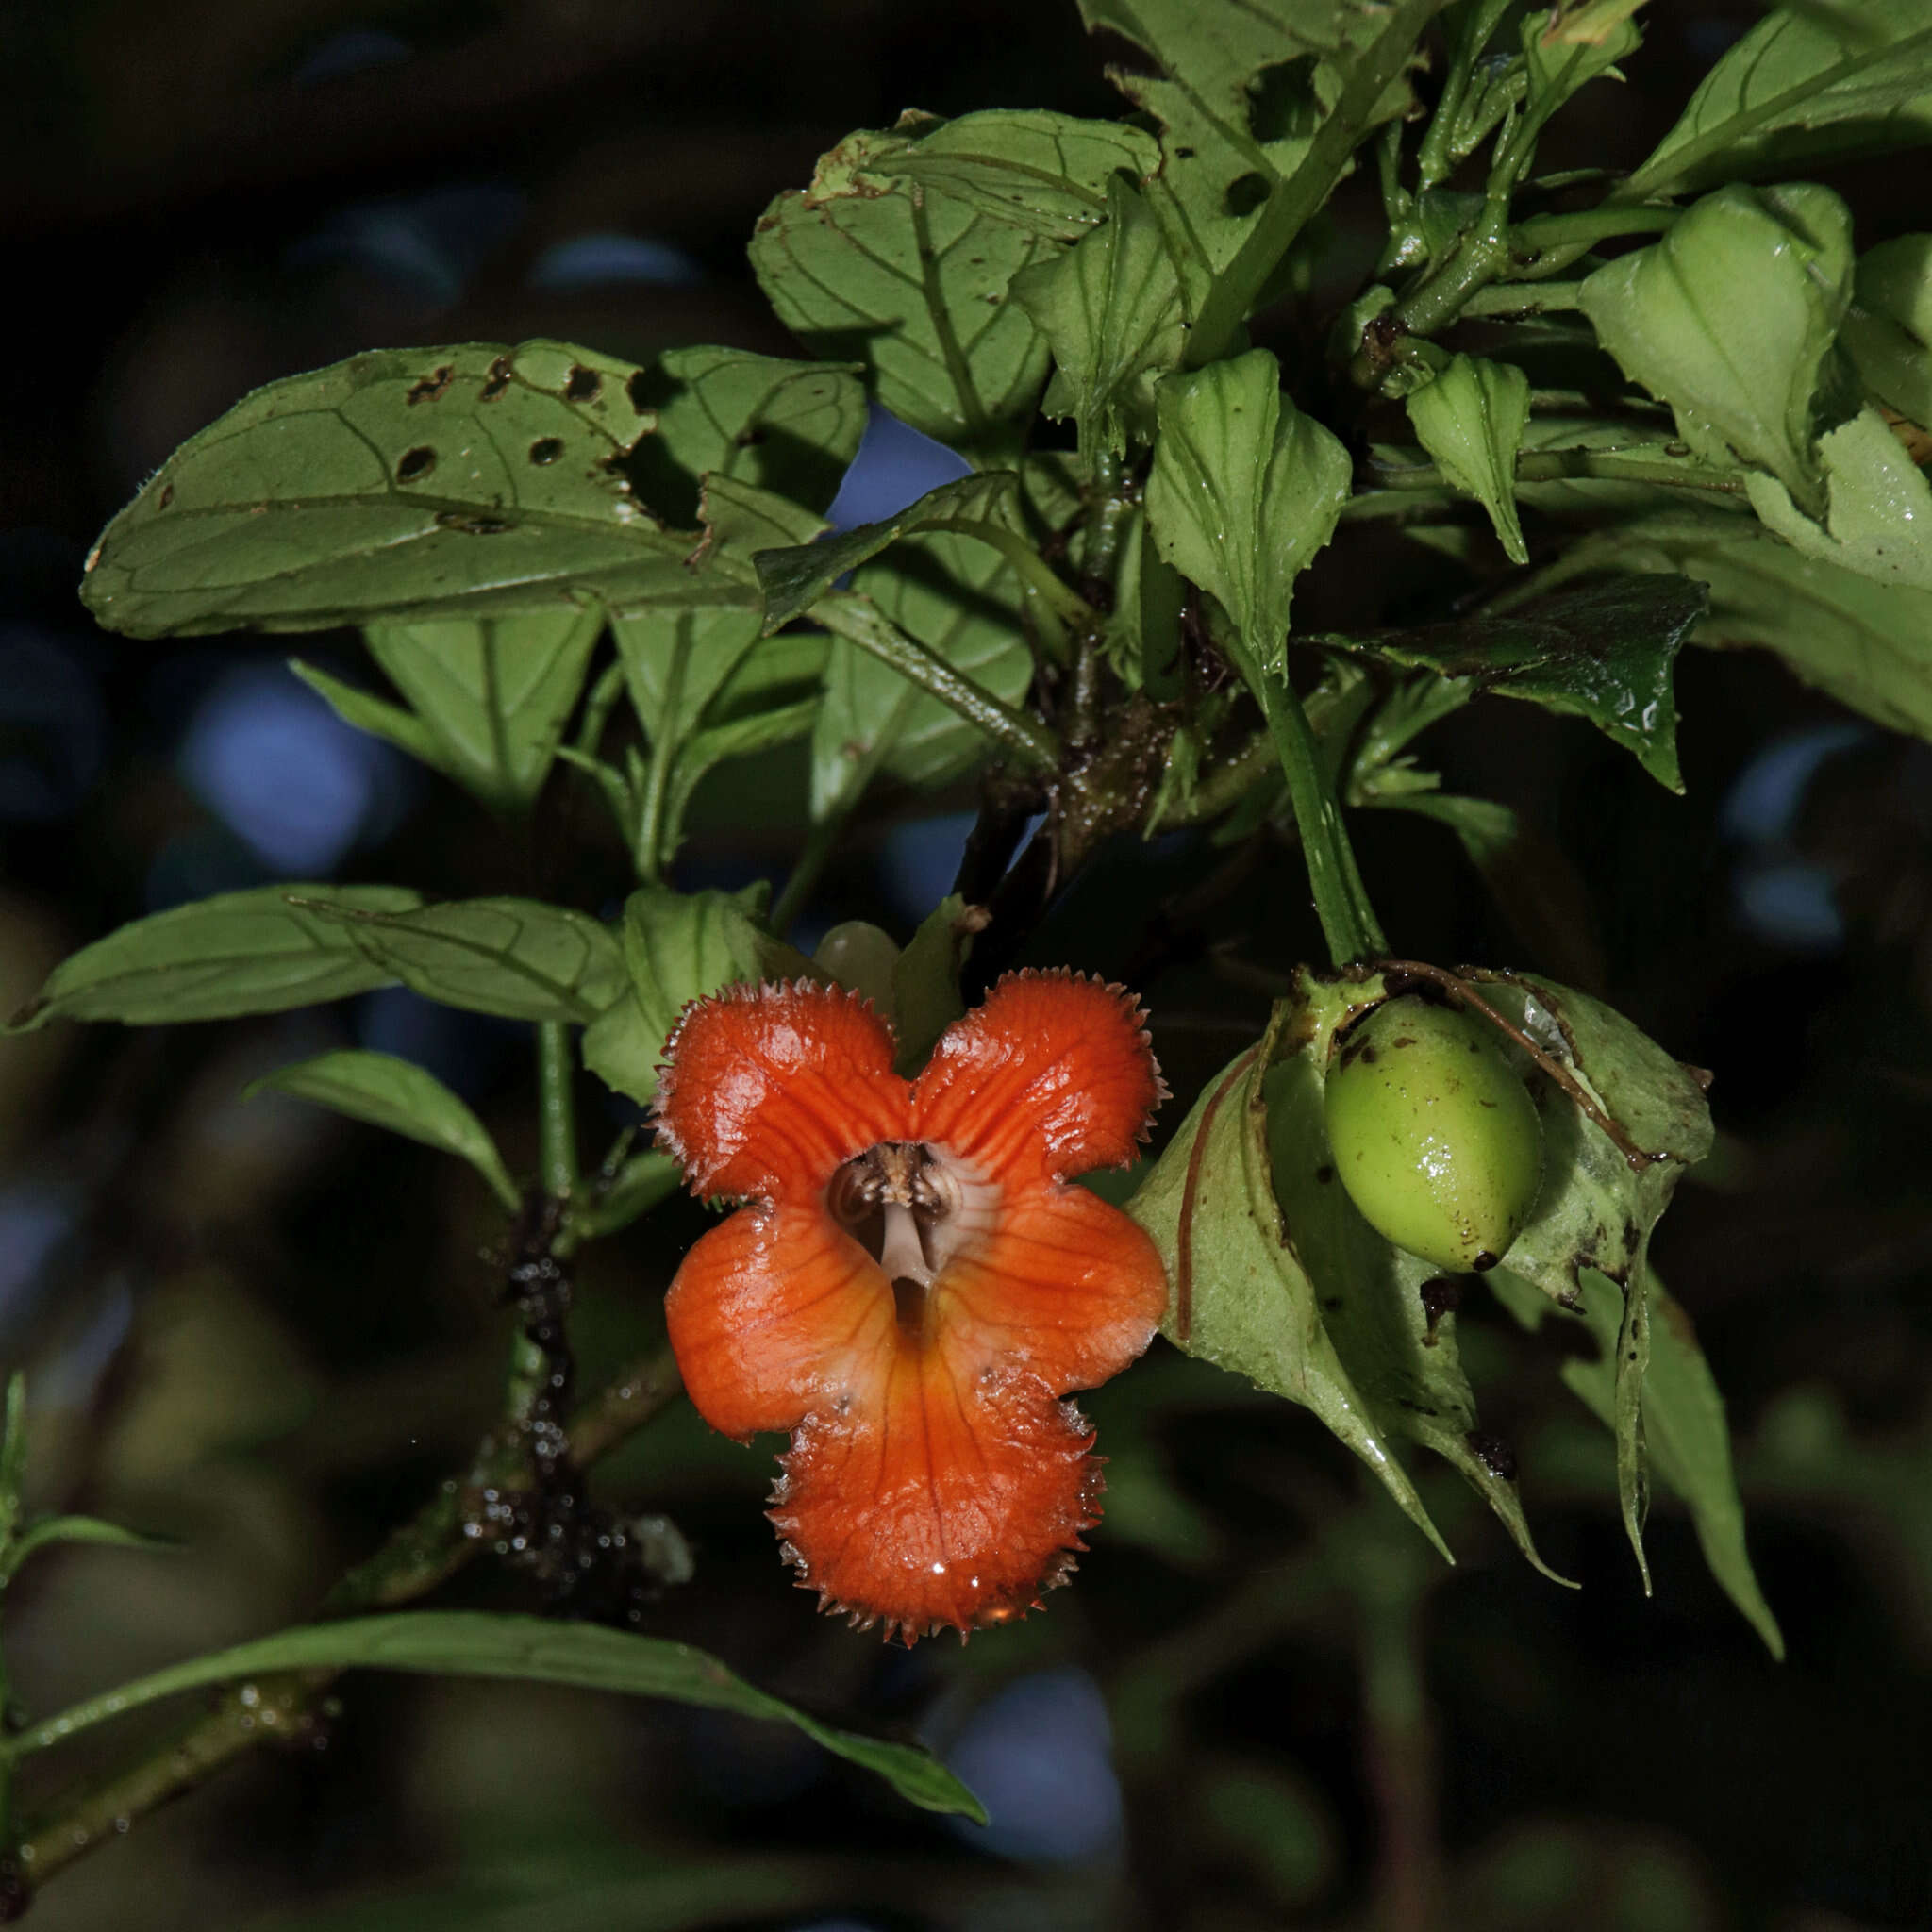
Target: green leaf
{"x":915,"y":284}
{"x":740,"y":520}
{"x":677,"y":660}
{"x":1806,"y":86}
{"x":1879,"y":520}
{"x":790,"y":429}
{"x":1604,"y":653}
{"x":80,"y":1529}
{"x":678,"y":947}
{"x":261,"y":951}
{"x":1869,"y":644}
{"x":1558,"y":64}
{"x":471,"y":482}
{"x":926,"y":979}
{"x":1888,"y":331}
{"x":1683,"y":1424}
{"x":362,"y":710}
{"x":477,"y":1643}
{"x":795,"y":580}
{"x":1242,"y":1297}
{"x":1369,"y":1293}
{"x":491,"y":695}
{"x":1044,"y":172}
{"x":1596,"y":1211}
{"x":403,"y":1098}
{"x":957,"y":597}
{"x":1111,"y":308}
{"x":1246,"y":491}
{"x":1243,"y":92}
{"x":1471,"y":419}
{"x":514,"y":958}
{"x":1669,"y":315}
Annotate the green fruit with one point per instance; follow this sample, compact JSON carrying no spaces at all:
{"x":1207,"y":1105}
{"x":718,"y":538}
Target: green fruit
{"x":1434,"y":1134}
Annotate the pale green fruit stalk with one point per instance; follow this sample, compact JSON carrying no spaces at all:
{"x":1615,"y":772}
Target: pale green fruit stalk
{"x":1434,"y":1134}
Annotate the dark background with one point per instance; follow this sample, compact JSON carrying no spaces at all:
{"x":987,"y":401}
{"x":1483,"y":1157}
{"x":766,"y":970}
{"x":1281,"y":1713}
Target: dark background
{"x":272,"y":1333}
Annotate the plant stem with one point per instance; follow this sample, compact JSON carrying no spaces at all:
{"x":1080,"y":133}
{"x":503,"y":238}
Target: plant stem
{"x":557,"y":1112}
{"x":855,"y":618}
{"x":427,"y":1550}
{"x":1341,"y":903}
{"x":1291,"y":202}
{"x":1552,"y":465}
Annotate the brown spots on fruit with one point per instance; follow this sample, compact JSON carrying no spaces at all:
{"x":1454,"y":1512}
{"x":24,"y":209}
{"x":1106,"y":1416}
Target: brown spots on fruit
{"x":427,"y":389}
{"x":1440,"y":1296}
{"x":496,"y":381}
{"x":1325,"y":1174}
{"x":1484,"y":1262}
{"x":546,"y":449}
{"x":582,"y":385}
{"x":414,"y":464}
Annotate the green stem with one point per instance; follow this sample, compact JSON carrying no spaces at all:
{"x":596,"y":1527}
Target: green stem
{"x":1293,"y":202}
{"x":1514,"y":301}
{"x":556,"y":1116}
{"x":1032,"y":569}
{"x":1224,"y":789}
{"x":1341,"y":903}
{"x":1553,"y":465}
{"x":1542,"y":234}
{"x":1478,"y":256}
{"x":856,"y":618}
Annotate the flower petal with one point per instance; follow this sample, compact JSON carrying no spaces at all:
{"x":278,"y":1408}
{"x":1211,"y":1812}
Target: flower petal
{"x":939,"y":1503}
{"x":775,"y":1313}
{"x":1064,"y":1284}
{"x":1050,"y":1077}
{"x":765,"y":1089}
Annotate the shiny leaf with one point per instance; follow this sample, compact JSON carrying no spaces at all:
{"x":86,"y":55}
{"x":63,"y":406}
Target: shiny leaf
{"x":1471,"y":419}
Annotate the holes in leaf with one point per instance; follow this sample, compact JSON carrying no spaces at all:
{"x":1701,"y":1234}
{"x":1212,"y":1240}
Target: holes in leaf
{"x":416,"y":463}
{"x":1245,"y":193}
{"x":637,"y":387}
{"x":167,"y":495}
{"x":496,"y":381}
{"x":427,"y":389}
{"x":583,"y":385}
{"x":546,"y":449}
{"x":471,"y":524}
{"x":1282,"y":103}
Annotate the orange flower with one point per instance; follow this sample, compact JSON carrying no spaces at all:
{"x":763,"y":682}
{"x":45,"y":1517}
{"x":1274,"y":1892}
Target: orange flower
{"x":914,"y":1285}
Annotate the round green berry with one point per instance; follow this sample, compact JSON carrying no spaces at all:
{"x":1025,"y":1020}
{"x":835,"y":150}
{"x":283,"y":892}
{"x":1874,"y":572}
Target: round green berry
{"x":1434,"y":1134}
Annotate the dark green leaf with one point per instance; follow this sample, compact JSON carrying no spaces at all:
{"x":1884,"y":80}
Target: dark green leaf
{"x":514,"y":958}
{"x":255,"y":952}
{"x":364,"y":711}
{"x":740,"y":520}
{"x":1471,"y":419}
{"x":1047,"y":174}
{"x":788,"y":428}
{"x":915,"y":284}
{"x":1558,"y":64}
{"x":401,"y":1096}
{"x":678,"y":947}
{"x":1604,"y":653}
{"x":926,"y":979}
{"x":402,"y":484}
{"x":492,"y":693}
{"x":795,"y":580}
{"x":1669,"y":315}
{"x":1242,"y":1297}
{"x":1111,"y":308}
{"x":1683,"y":1423}
{"x":1246,"y":491}
{"x":1869,"y":644}
{"x":475,"y":1643}
{"x":1806,"y":86}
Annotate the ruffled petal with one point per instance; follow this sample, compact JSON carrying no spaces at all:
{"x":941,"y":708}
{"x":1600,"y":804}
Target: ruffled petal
{"x":1063,"y":1283}
{"x":1050,"y":1077}
{"x":939,"y":1502}
{"x":766,"y":1089}
{"x":775,"y":1313}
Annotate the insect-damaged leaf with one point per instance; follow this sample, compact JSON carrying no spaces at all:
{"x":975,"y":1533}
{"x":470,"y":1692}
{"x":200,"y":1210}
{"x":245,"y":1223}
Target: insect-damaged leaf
{"x":477,"y":1643}
{"x":913,"y":282}
{"x":261,"y":951}
{"x":405,"y":1098}
{"x":1604,"y":653}
{"x":405,"y":483}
